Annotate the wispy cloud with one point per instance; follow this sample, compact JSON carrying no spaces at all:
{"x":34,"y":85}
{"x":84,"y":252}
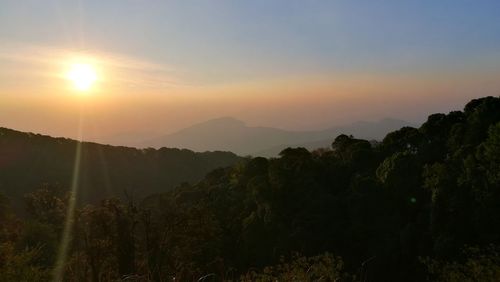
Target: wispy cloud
{"x":118,"y":70}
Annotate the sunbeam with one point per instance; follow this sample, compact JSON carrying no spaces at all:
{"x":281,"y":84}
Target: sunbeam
{"x":62,"y":253}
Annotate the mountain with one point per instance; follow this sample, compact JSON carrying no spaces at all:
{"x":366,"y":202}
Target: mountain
{"x":234,"y":135}
{"x":29,"y":160}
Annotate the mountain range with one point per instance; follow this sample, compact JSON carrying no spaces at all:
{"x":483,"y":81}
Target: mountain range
{"x":230,"y":134}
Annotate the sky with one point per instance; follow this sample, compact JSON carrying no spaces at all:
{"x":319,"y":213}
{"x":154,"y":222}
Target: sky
{"x":165,"y":65}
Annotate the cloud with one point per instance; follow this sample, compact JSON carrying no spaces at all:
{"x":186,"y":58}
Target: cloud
{"x":118,"y":70}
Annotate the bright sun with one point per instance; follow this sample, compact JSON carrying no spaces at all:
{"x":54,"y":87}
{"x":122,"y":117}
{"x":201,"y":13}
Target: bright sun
{"x":83,"y":76}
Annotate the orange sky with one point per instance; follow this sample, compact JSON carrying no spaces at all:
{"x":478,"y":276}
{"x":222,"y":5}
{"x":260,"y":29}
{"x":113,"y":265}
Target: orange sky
{"x":299,"y":102}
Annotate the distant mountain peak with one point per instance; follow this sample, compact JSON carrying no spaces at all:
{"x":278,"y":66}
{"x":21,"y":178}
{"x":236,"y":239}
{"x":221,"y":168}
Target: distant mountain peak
{"x":230,"y":134}
{"x":225,"y":120}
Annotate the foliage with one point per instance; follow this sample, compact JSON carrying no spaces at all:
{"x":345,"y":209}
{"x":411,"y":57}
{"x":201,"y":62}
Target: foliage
{"x":477,"y":265}
{"x":19,"y":265}
{"x":325,"y":267}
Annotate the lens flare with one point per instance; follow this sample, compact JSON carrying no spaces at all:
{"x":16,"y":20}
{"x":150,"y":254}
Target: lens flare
{"x":62,"y":254}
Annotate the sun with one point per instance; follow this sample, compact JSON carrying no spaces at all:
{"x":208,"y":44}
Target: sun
{"x":82,"y":75}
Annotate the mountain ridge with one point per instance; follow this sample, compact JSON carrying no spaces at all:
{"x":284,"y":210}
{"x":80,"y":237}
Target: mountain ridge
{"x":231,"y":134}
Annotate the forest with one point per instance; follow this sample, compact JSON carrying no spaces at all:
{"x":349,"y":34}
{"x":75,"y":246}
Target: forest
{"x":423,"y":204}
{"x":28,"y":161}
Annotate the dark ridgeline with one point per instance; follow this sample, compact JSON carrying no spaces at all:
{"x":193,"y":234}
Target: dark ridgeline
{"x":28,"y":161}
{"x":424,"y":204}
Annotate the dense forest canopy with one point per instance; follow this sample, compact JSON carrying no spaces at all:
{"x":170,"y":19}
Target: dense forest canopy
{"x":423,"y":204}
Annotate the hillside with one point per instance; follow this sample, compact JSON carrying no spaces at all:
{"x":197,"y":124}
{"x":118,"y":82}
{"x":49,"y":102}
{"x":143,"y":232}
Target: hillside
{"x":28,"y":160}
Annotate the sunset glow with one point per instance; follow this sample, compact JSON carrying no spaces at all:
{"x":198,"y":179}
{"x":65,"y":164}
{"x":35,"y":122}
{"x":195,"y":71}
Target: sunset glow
{"x":175,"y":64}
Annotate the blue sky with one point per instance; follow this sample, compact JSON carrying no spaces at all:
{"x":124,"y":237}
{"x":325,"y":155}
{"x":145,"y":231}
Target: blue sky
{"x":226,"y":40}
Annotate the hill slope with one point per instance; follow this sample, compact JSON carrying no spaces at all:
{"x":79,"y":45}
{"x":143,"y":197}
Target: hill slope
{"x":28,"y":160}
